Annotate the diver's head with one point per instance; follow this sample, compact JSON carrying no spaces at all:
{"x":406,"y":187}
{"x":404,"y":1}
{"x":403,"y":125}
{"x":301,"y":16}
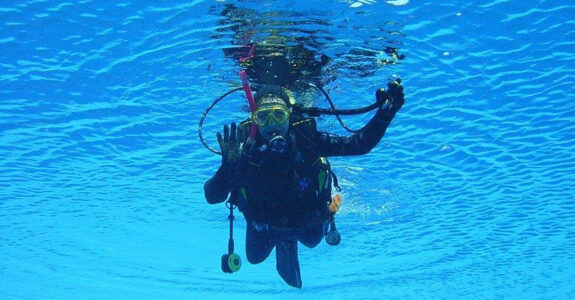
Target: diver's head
{"x":272,"y":115}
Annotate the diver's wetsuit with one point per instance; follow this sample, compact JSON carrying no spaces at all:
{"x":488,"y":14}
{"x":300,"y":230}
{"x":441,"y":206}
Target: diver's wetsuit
{"x":284,"y":197}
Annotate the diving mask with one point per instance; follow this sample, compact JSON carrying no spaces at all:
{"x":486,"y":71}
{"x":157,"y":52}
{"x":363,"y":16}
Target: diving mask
{"x":277,"y":113}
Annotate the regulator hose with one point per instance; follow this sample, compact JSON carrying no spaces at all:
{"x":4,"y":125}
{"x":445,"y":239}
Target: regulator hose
{"x":310,"y":111}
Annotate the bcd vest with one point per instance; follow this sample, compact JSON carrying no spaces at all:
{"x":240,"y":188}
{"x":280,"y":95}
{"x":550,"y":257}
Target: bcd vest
{"x":283,"y":190}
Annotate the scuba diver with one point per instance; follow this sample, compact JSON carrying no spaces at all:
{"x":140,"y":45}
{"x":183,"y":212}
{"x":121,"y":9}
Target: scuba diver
{"x":275,"y":170}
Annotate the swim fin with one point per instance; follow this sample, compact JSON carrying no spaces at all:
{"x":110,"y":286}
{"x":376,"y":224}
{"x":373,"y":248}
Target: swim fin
{"x":287,"y":262}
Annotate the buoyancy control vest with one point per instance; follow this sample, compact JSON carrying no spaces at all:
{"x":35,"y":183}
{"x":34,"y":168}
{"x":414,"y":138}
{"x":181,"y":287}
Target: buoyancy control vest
{"x":290,"y":190}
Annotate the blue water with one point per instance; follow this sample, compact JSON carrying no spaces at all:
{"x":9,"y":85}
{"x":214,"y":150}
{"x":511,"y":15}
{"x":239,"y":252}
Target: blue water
{"x":469,"y":195}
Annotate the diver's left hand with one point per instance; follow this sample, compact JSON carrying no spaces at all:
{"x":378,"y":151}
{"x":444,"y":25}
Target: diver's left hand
{"x":333,"y":207}
{"x":394,"y":95}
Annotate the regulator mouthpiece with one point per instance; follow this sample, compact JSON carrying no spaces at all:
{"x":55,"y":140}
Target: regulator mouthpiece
{"x":278,"y":144}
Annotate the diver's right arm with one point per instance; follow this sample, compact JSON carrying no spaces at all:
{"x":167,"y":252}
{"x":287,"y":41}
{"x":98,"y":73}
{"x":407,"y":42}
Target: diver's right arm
{"x":216,"y":189}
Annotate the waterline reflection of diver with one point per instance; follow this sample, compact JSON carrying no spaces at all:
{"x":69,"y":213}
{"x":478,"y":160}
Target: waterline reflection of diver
{"x":275,"y":169}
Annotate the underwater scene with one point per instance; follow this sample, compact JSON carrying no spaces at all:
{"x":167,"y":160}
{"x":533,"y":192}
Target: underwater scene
{"x":470,"y":194}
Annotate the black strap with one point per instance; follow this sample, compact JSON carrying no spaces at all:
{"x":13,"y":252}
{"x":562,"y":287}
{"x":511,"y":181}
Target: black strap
{"x":335,"y":183}
{"x":333,"y":177}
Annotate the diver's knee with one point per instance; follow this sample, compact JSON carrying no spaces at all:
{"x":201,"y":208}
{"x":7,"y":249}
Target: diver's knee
{"x":313,"y":235}
{"x":311,"y":243}
{"x":257,"y":252}
{"x":256,"y":257}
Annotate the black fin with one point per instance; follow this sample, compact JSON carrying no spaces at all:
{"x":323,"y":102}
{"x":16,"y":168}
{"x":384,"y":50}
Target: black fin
{"x":287,"y":262}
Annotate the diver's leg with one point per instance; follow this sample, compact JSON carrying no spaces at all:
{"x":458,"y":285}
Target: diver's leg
{"x":287,"y":261}
{"x":311,"y":235}
{"x":259,"y":243}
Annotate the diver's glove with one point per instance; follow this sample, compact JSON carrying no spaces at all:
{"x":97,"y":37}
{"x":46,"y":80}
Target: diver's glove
{"x":232,"y":150}
{"x":392,"y":99}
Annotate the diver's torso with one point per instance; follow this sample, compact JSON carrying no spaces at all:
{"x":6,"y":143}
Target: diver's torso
{"x":284,"y":190}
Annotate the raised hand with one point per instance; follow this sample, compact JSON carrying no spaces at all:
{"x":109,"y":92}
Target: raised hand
{"x":230,"y":145}
{"x":392,"y":99}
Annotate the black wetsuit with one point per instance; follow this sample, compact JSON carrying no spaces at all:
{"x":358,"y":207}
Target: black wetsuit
{"x":284,"y":197}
